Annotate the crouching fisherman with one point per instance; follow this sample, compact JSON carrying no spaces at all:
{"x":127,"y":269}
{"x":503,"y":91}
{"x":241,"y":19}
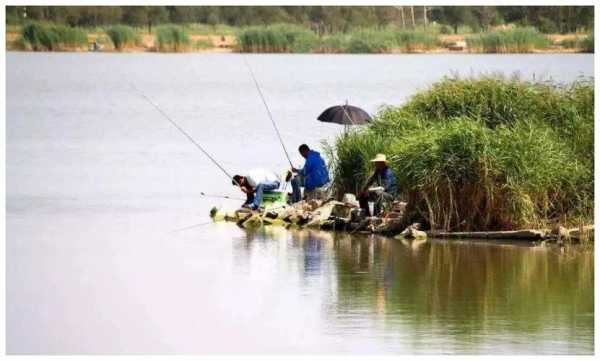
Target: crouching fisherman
{"x":254,"y":183}
{"x":314,"y":172}
{"x":386,"y":188}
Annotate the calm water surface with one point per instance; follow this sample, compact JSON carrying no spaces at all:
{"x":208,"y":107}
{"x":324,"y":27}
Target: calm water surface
{"x":99,"y":186}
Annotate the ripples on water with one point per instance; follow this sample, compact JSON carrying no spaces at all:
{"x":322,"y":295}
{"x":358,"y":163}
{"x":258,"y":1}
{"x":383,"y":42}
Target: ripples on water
{"x":97,"y":182}
{"x":437,"y":296}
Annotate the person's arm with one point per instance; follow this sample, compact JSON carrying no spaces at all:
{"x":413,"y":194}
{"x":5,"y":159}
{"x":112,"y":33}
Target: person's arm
{"x":247,"y":189}
{"x":369,"y":182}
{"x":306,"y":169}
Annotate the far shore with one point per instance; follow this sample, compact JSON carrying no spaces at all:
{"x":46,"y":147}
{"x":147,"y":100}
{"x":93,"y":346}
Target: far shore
{"x":226,"y":43}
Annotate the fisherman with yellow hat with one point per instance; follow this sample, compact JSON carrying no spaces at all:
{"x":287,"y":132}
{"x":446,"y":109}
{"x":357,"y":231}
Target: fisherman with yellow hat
{"x":386,"y":188}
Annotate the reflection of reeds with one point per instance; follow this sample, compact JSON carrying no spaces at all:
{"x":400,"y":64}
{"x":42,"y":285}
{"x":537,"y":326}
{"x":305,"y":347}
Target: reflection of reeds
{"x":468,"y":287}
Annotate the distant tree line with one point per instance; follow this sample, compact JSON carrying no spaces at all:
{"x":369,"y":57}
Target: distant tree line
{"x":322,"y":19}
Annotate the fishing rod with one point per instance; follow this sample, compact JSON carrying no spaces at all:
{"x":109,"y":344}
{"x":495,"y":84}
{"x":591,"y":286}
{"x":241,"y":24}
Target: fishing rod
{"x":220,"y":196}
{"x":189,"y":137}
{"x":268,"y":110}
{"x":192,"y":226}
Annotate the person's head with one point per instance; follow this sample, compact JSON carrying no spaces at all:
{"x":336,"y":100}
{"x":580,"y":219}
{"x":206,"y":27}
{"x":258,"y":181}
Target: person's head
{"x":238,"y":180}
{"x":379,"y":162}
{"x":304,"y":149}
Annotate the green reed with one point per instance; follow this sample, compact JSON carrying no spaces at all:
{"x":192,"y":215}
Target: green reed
{"x":487,"y":153}
{"x":123,"y":36}
{"x":517,"y":40}
{"x":171,"y":38}
{"x":41,"y":37}
{"x":278,"y":38}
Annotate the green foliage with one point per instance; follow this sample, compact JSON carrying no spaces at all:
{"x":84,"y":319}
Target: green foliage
{"x":486,"y":153}
{"x":171,"y":38}
{"x":587,"y":44}
{"x":517,"y":40}
{"x":279,"y":38}
{"x":445,"y":30}
{"x":52,"y":37}
{"x":370,"y":41}
{"x":329,"y":19}
{"x":204,"y":44}
{"x":377,"y":41}
{"x":123,"y":36}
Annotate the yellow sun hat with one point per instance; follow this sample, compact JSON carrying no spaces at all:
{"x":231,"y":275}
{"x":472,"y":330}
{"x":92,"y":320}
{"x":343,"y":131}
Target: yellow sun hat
{"x":379,"y":158}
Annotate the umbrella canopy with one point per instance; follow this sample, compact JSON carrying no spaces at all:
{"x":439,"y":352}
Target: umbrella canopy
{"x":345,"y":114}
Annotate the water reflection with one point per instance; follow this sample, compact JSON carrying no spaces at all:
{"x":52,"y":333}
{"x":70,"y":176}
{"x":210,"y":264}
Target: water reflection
{"x":470,"y":296}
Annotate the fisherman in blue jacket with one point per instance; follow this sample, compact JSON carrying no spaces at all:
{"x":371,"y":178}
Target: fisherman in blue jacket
{"x":314,"y":172}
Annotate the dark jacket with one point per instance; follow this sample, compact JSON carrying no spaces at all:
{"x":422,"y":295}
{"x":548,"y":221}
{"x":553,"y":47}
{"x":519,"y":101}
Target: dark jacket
{"x":386,"y":179}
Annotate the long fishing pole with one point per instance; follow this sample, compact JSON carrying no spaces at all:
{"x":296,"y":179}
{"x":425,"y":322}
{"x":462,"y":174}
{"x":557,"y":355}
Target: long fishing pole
{"x":183,"y":132}
{"x":268,"y":110}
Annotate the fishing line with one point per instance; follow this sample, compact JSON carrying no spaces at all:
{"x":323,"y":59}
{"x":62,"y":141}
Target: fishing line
{"x":268,"y":110}
{"x":220,"y":196}
{"x":183,"y":132}
{"x":192,"y":226}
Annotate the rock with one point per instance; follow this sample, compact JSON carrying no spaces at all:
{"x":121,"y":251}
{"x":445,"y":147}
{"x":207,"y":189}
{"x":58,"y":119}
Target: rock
{"x":524,"y":234}
{"x":254,"y":221}
{"x":561,"y":233}
{"x":322,"y":213}
{"x":412,"y":232}
{"x":357,"y":215}
{"x":273,"y":221}
{"x":389,"y":226}
{"x":342,"y":211}
{"x":314,"y":204}
{"x":584,"y":233}
{"x":457,"y":45}
{"x":350,"y":200}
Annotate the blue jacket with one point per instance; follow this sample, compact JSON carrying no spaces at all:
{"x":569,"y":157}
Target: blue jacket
{"x":314,"y":171}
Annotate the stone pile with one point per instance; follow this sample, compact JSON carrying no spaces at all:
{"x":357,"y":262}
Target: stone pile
{"x":328,"y":215}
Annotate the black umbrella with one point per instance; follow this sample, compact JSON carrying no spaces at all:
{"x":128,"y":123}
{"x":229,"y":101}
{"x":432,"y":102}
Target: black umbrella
{"x":345,"y":114}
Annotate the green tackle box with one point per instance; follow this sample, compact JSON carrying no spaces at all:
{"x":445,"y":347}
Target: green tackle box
{"x":272,"y":199}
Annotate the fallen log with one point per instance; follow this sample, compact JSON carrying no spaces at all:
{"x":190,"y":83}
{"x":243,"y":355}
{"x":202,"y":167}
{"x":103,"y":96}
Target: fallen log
{"x":523,"y":234}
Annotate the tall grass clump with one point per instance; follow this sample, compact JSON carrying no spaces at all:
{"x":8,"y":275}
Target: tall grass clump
{"x":371,"y":41}
{"x":204,"y":44}
{"x":412,"y":41}
{"x":496,"y":100}
{"x":334,"y":43}
{"x":171,"y":38}
{"x":123,"y":36}
{"x":379,"y":41}
{"x":587,"y":43}
{"x":482,"y":154}
{"x":584,"y":44}
{"x":278,"y":38}
{"x":517,"y":40}
{"x":53,"y":37}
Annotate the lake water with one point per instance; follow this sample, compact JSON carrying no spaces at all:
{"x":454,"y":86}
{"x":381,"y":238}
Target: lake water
{"x":99,"y":187}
